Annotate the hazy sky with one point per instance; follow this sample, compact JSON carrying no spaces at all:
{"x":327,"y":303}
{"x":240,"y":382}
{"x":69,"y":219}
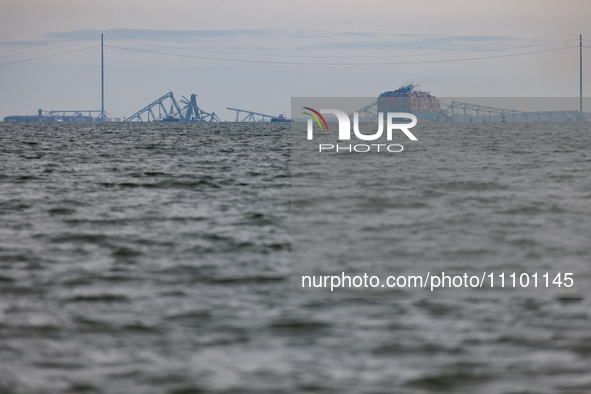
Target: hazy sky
{"x":257,"y":54}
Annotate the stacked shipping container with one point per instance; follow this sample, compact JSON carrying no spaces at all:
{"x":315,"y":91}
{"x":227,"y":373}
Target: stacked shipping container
{"x":406,"y":99}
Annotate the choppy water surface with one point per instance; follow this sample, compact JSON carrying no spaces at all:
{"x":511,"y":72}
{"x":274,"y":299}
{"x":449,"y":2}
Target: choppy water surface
{"x":481,"y":199}
{"x":153,"y":258}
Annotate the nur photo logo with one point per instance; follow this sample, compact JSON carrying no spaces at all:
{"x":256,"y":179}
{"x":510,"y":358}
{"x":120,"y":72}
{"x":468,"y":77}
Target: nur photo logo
{"x":394,"y":121}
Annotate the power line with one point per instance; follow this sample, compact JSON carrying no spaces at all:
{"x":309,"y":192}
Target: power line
{"x":40,"y":50}
{"x":288,"y":62}
{"x":342,"y":57}
{"x":338,"y":64}
{"x":46,"y":56}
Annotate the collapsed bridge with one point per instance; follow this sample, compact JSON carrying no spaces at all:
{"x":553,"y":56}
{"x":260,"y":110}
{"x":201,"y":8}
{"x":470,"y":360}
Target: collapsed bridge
{"x":169,"y":110}
{"x":466,"y":112}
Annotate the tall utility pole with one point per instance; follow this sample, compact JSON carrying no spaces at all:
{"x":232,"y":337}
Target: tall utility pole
{"x":581,"y":66}
{"x":102,"y":115}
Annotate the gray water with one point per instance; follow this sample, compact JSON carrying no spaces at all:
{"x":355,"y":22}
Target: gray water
{"x":155,"y":258}
{"x":482,"y":199}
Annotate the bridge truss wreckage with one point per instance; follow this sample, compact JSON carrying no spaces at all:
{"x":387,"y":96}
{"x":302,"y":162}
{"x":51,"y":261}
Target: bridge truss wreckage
{"x":465,"y":112}
{"x":250,"y":116}
{"x":169,"y":110}
{"x":369,"y":113}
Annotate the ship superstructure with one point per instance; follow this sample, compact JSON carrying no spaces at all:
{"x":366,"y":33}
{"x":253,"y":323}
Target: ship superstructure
{"x":408,"y":99}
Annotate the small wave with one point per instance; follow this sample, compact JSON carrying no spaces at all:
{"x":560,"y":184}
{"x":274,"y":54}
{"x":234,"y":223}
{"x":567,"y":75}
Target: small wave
{"x":56,"y":364}
{"x":191,"y":318}
{"x":139,"y":327}
{"x":311,"y":175}
{"x":472,"y":186}
{"x":155,"y":173}
{"x":257,"y":219}
{"x":13,"y":205}
{"x":297,"y":326}
{"x":248,"y":279}
{"x":90,"y":238}
{"x":107,"y":298}
{"x":452,"y":381}
{"x":168,"y":184}
{"x":531,"y":210}
{"x":124,"y":252}
{"x":61,"y":211}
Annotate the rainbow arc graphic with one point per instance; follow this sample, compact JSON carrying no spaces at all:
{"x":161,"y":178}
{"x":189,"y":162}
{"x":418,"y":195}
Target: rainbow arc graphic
{"x":316,"y":118}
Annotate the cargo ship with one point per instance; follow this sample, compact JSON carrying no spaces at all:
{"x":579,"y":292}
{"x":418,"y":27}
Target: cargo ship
{"x":423,"y":105}
{"x":281,"y":118}
{"x":52,"y":116}
{"x":60,"y":116}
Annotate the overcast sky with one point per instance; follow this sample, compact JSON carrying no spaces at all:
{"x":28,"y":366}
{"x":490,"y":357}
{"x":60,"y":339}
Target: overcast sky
{"x":257,"y":54}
